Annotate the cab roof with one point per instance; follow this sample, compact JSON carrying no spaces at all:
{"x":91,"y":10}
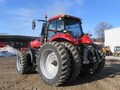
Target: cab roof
{"x":63,"y":16}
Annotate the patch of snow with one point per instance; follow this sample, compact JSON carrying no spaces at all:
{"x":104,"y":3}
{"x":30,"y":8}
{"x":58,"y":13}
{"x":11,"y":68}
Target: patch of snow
{"x":8,"y":51}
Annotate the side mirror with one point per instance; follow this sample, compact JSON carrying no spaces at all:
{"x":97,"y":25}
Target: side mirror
{"x":33,"y":24}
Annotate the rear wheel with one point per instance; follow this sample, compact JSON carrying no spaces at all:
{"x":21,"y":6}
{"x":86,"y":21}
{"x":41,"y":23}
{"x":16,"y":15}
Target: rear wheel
{"x":54,"y":63}
{"x":75,"y":61}
{"x":21,"y":63}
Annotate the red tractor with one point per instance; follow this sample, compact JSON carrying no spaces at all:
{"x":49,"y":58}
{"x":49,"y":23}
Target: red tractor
{"x":62,"y":52}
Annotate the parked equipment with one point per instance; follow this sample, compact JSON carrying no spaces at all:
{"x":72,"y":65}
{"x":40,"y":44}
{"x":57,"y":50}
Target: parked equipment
{"x":108,"y":51}
{"x":116,"y":51}
{"x":62,"y":52}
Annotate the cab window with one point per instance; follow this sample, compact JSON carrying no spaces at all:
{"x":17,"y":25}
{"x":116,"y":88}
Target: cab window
{"x":54,"y":25}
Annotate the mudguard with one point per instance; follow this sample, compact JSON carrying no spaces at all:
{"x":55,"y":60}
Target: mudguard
{"x":85,"y":39}
{"x":35,"y":44}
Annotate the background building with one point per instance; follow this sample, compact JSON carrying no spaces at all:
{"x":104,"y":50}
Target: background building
{"x":112,"y":38}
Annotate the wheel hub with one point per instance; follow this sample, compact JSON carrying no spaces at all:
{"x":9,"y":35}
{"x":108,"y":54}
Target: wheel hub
{"x":49,"y":64}
{"x":54,"y":63}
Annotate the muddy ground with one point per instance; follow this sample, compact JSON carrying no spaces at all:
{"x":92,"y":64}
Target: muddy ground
{"x":108,"y":79}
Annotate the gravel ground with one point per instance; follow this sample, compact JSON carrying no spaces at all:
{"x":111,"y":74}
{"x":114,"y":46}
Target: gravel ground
{"x":113,"y":57}
{"x":107,"y":79}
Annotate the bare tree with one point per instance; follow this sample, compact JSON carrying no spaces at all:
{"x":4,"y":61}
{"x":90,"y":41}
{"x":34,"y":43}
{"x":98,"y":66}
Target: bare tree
{"x":99,"y":30}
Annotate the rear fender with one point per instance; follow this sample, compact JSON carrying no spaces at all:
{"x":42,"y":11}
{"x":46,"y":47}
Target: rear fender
{"x":63,"y":37}
{"x":85,"y":39}
{"x":35,"y":44}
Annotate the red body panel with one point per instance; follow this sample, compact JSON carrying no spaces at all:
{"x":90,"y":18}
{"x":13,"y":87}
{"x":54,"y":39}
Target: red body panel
{"x":35,"y":44}
{"x":62,"y":15}
{"x":62,"y":36}
{"x":85,"y":39}
{"x":55,"y":17}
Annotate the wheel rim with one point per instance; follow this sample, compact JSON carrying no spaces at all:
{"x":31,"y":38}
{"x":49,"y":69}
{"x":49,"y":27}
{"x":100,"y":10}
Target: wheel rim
{"x":49,"y":64}
{"x":18,"y":63}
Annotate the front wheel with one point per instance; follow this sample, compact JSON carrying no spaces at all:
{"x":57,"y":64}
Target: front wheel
{"x":21,"y":63}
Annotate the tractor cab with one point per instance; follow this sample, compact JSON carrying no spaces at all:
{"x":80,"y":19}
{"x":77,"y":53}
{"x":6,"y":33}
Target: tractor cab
{"x":63,"y":27}
{"x":65,"y":24}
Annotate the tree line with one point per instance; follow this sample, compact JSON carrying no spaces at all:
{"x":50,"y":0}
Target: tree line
{"x":99,"y":30}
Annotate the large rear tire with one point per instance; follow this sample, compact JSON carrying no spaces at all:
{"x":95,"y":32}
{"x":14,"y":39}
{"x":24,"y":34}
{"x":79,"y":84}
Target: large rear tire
{"x":75,"y":61}
{"x":54,"y":63}
{"x":21,"y":63}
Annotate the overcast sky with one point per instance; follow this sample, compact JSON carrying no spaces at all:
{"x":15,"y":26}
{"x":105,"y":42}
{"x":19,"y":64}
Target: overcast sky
{"x":16,"y":15}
